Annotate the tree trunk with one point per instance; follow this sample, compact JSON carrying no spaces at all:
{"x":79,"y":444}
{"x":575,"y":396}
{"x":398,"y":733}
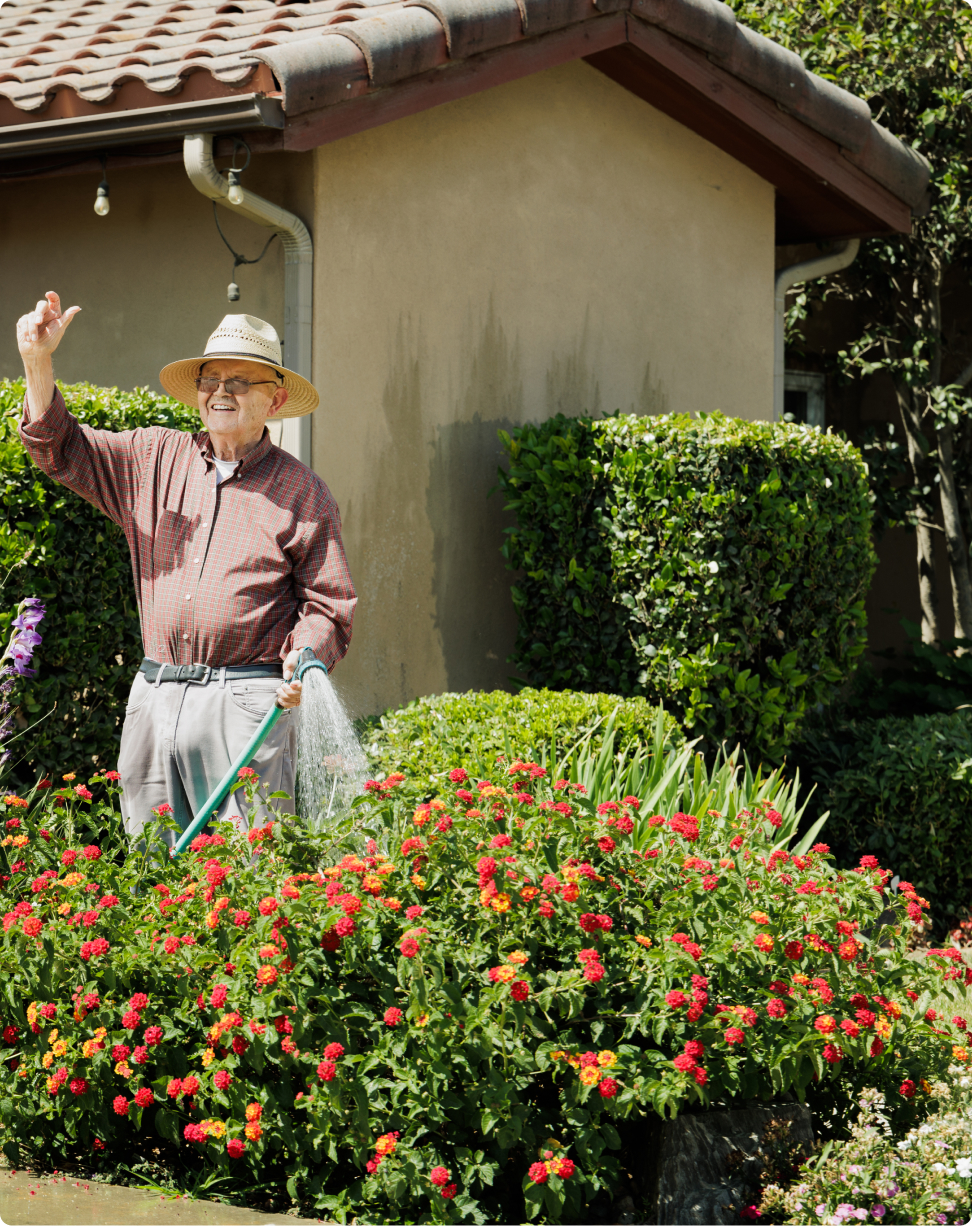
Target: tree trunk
{"x":921,"y":477}
{"x":958,"y":552}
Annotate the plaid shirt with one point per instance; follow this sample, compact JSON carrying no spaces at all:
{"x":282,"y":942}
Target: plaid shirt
{"x":236,"y":573}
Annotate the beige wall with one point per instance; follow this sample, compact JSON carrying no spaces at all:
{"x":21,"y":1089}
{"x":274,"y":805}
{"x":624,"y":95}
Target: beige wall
{"x":151,"y":277}
{"x":550,"y":245}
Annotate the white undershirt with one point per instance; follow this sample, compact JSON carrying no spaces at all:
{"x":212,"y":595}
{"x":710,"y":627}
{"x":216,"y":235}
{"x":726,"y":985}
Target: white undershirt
{"x":225,"y":468}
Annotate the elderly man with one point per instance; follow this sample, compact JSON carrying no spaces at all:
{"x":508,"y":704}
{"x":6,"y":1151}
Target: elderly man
{"x":236,"y":551}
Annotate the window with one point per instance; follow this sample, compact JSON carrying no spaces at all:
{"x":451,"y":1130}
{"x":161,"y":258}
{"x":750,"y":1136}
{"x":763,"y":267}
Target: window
{"x":803,"y":397}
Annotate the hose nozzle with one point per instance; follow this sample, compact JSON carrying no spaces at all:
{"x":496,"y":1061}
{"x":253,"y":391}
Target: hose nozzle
{"x":307,"y":660}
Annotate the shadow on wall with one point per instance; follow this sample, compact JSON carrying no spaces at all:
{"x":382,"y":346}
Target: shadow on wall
{"x":474,"y":613}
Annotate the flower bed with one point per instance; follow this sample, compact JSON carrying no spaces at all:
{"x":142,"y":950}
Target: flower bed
{"x":460,"y":1022}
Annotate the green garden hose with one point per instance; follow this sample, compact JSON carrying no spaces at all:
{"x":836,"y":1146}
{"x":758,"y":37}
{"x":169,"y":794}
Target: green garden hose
{"x":216,"y":798}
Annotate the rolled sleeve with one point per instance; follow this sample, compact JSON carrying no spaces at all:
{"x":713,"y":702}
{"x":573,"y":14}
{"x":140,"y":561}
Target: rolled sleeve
{"x":326,"y":596}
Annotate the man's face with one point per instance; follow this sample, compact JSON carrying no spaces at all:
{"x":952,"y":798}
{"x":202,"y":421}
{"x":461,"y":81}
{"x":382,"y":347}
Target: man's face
{"x":244,"y":415}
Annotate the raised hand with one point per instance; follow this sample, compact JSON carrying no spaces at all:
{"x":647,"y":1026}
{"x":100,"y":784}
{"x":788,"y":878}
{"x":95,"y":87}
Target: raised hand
{"x":40,"y":331}
{"x":38,"y":335}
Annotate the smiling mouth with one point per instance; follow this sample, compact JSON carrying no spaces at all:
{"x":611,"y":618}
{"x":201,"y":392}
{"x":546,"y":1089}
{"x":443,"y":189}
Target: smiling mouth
{"x":227,"y":407}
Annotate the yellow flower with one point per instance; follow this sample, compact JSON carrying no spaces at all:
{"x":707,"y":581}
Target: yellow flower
{"x":590,"y":1075}
{"x":212,"y":919}
{"x":501,"y":902}
{"x":68,"y":778}
{"x":60,"y":1048}
{"x":646,"y":941}
{"x":573,"y":1060}
{"x":418,"y":882}
{"x":253,"y":1131}
{"x":959,"y":1053}
{"x":882,"y":1027}
{"x":73,"y":879}
{"x":384,"y":869}
{"x":558,"y":1055}
{"x":372,"y":883}
{"x":123,"y":1069}
{"x":607,"y":1059}
{"x":893,"y":1008}
{"x":208,"y":1057}
{"x":52,"y":1037}
{"x":518,"y":957}
{"x":332,"y":872}
{"x":801,"y":979}
{"x":7,"y":841}
{"x":20,"y":839}
{"x":214,"y":1128}
{"x":925,"y":1086}
{"x":89,"y":1048}
{"x":421,"y":816}
{"x":759,"y":917}
{"x":64,"y":909}
{"x":503,"y":974}
{"x":253,"y":1111}
{"x":422,"y":1020}
{"x":48,"y":1059}
{"x":484,"y":897}
{"x":100,"y":1032}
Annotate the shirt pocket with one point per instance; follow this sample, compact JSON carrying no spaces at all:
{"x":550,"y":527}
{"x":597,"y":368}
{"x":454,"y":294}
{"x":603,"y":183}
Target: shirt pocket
{"x":255,"y":697}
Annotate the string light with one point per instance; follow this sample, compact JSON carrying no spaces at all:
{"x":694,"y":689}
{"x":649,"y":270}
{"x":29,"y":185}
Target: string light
{"x":235,"y":193}
{"x":101,"y":204}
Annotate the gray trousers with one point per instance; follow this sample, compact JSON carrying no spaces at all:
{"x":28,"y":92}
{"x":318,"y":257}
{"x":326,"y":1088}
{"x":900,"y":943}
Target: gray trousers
{"x":179,"y":740}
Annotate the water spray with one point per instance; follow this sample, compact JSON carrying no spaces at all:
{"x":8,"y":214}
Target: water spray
{"x":305,"y":661}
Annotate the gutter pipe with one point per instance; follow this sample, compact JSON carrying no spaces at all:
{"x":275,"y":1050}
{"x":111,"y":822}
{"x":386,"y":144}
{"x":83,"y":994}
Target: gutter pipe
{"x":842,"y":256}
{"x":197,"y":153}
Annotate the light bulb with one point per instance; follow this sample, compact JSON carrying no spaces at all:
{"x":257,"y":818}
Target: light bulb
{"x":235,"y":194}
{"x":233,"y":292}
{"x":101,"y":204}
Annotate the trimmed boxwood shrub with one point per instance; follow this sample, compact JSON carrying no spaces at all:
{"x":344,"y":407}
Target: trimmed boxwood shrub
{"x":902,"y":789}
{"x":56,"y":546}
{"x":430,"y":736}
{"x":714,"y":564}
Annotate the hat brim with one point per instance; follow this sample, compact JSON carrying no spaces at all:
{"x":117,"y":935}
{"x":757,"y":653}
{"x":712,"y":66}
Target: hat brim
{"x":179,"y":380}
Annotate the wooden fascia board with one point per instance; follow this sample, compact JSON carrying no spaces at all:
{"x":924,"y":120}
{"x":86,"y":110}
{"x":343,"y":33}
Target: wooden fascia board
{"x":750,"y":126}
{"x":455,"y":80}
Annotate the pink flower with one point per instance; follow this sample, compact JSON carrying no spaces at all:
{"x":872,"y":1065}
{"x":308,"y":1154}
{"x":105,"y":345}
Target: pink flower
{"x":734,"y":1035}
{"x":144,"y":1097}
{"x":120,"y":1105}
{"x":409,"y":948}
{"x":222,"y":1080}
{"x":675,"y":999}
{"x":439,"y":1176}
{"x":153,"y":1035}
{"x":334,"y":1051}
{"x":235,"y":1147}
{"x":82,"y":792}
{"x":458,"y":775}
{"x":393,"y":1017}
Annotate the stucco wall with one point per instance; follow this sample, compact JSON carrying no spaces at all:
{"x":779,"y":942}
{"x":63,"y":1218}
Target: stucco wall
{"x":550,"y":245}
{"x":151,"y":277}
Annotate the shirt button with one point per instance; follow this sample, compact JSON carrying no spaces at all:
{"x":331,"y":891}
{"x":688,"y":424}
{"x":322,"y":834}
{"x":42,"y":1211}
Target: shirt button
{"x":205,"y":525}
{"x":188,"y":597}
{"x":185,"y":636}
{"x":195,"y":561}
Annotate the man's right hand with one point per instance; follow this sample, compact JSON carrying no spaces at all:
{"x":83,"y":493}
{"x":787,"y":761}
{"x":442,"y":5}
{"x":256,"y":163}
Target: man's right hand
{"x":38,"y":334}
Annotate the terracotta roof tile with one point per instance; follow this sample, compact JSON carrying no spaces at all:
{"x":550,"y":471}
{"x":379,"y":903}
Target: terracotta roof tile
{"x":325,"y":51}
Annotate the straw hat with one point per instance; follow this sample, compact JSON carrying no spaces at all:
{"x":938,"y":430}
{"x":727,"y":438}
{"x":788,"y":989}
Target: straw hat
{"x":241,"y":336}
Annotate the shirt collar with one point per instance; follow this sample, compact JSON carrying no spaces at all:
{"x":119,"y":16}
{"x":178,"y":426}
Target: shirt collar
{"x":261,"y":450}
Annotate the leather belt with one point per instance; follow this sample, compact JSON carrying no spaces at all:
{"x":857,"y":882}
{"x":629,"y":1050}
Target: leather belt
{"x":202,"y":674}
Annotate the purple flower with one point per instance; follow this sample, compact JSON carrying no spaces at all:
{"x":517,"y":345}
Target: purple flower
{"x":878,"y":1211}
{"x":21,"y":657}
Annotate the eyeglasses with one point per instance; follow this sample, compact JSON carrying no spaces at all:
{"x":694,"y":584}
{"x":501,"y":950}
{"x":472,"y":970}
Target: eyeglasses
{"x":235,"y":387}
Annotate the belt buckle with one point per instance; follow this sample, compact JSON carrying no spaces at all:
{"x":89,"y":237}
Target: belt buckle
{"x":198,"y":674}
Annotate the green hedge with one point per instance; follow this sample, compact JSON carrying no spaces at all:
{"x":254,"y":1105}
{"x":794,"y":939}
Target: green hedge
{"x":432,"y":735}
{"x":902,"y":789}
{"x":77,"y":561}
{"x":717,"y":565}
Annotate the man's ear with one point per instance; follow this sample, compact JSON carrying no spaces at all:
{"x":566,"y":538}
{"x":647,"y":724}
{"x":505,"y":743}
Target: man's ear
{"x":280,"y":398}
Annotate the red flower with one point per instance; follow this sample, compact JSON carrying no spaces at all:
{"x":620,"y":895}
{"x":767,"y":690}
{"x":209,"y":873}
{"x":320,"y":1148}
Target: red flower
{"x":684,"y":1063}
{"x":192,"y":1132}
{"x":867,"y":861}
{"x":140,"y":1055}
{"x":121,"y":1051}
{"x":91,"y":852}
{"x":763,"y":942}
{"x":393,"y":1017}
{"x":458,"y":775}
{"x":606,"y":844}
{"x":832,"y":1054}
{"x":594,"y":972}
{"x":700,"y":1075}
{"x":190,"y":1085}
{"x":174,"y":1088}
{"x":825,"y":1024}
{"x":409,"y":948}
{"x":131,"y":1019}
{"x":120,"y":1105}
{"x":848,"y":950}
{"x":153,"y":1035}
{"x":538,"y":1173}
{"x":267,"y":975}
{"x":327,"y":1070}
{"x":68,"y":857}
{"x":793,"y":950}
{"x":608,"y":1087}
{"x":449,"y":1191}
{"x":235,"y":1147}
{"x":267,"y":905}
{"x":333,"y":1051}
{"x":241,"y":919}
{"x":344,"y":926}
{"x":907,"y":1089}
{"x":48,"y":1011}
{"x":776,"y":1008}
{"x":218,"y":996}
{"x":439,"y":1176}
{"x":144,"y":1097}
{"x":32,"y":926}
{"x":413,"y":912}
{"x":675,"y":999}
{"x":519,"y":989}
{"x":222,"y":1080}
{"x":695,"y":1049}
{"x":78,"y":1085}
{"x":734,"y":1035}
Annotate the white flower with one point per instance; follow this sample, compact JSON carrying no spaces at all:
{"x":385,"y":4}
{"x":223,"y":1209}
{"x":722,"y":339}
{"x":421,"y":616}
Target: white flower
{"x":964,"y":1167}
{"x":905,"y":1144}
{"x":714,"y":567}
{"x":938,"y":1166}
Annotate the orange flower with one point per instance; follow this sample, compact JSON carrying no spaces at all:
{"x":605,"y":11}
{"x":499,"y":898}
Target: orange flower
{"x":253,"y":1111}
{"x":960,"y":1053}
{"x":253,"y":1132}
{"x":760,"y":917}
{"x":518,"y":957}
{"x":500,"y":902}
{"x":590,"y":1075}
{"x":646,"y":941}
{"x":529,"y":892}
{"x":385,"y":1145}
{"x":607,"y":1059}
{"x":558,"y":1055}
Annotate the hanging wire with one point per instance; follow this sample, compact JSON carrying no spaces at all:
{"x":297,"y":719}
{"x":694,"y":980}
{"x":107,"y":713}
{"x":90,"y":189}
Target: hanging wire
{"x":233,"y":293}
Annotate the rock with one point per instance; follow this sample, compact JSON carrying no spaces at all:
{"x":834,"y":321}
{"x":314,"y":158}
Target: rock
{"x":698,"y":1165}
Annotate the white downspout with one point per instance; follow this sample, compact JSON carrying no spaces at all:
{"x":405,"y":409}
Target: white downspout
{"x":845,"y":253}
{"x":298,"y":246}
